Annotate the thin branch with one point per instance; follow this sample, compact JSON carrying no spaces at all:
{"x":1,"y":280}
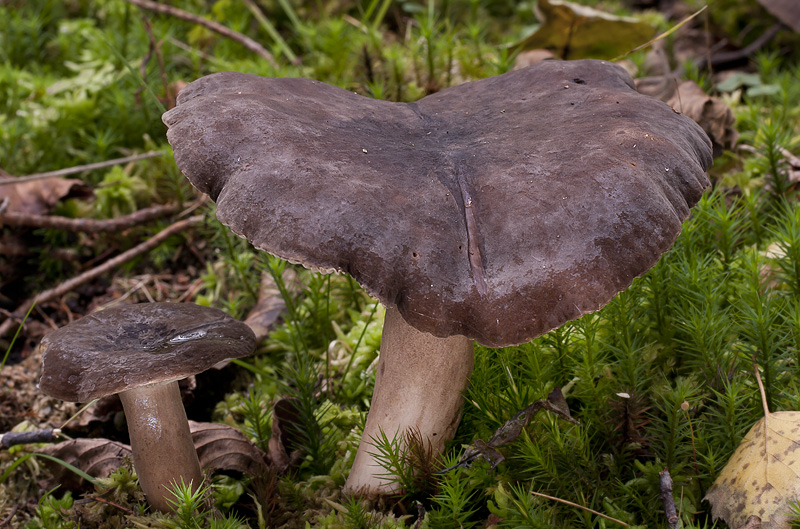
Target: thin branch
{"x":109,"y":265}
{"x":49,"y":435}
{"x":565,"y":502}
{"x":244,"y":40}
{"x":100,"y":499}
{"x":670,"y":509}
{"x":82,"y":168}
{"x":7,"y":520}
{"x":87,"y":225}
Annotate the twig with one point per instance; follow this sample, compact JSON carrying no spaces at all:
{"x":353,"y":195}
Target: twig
{"x":724,"y":58}
{"x":555,"y":403}
{"x":665,"y":484}
{"x":156,"y":47}
{"x":100,"y":499}
{"x":244,"y":40}
{"x":7,"y":520}
{"x":580,"y":507}
{"x":109,"y":265}
{"x":87,"y":225}
{"x":49,"y":435}
{"x":82,"y":168}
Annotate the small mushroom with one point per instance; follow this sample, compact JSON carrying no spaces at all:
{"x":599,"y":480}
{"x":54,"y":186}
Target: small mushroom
{"x":140,"y":352}
{"x":491,"y":211}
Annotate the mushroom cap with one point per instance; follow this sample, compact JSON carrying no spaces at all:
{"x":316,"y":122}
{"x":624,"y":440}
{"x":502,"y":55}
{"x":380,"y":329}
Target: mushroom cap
{"x":129,"y":346}
{"x":497,"y":209}
{"x":787,"y":11}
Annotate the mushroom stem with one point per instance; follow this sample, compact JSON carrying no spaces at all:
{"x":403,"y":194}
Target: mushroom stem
{"x":419,"y":385}
{"x":163,"y":450}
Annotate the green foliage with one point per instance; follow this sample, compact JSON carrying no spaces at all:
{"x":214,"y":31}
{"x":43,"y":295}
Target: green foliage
{"x":192,"y":510}
{"x":50,"y":514}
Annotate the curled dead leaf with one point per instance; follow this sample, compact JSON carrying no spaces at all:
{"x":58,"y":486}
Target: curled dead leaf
{"x":686,"y":97}
{"x":711,"y":113}
{"x":286,"y":436}
{"x":97,"y":457}
{"x":219,"y":448}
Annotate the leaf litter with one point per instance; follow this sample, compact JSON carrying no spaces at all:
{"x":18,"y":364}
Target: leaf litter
{"x":762,"y":478}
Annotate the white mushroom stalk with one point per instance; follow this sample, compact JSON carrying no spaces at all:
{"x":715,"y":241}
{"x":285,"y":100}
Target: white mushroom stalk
{"x":419,"y":386}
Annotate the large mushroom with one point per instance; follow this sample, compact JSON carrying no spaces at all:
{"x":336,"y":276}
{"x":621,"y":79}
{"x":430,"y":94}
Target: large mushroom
{"x":491,"y":211}
{"x":140,"y":352}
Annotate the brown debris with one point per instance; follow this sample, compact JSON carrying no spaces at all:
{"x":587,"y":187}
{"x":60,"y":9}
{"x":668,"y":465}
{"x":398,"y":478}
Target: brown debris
{"x":38,"y":197}
{"x":711,"y":113}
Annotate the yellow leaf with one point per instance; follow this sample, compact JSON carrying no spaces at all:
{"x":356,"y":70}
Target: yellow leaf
{"x":762,"y":476}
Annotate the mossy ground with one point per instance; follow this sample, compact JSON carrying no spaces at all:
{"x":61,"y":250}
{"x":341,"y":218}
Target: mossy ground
{"x":660,"y":378}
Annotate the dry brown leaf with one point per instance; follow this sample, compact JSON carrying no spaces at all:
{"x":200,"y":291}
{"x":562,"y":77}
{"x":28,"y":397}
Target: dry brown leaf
{"x":762,"y":476}
{"x":686,"y":97}
{"x":265,"y":314}
{"x":97,"y":457}
{"x":39,"y":197}
{"x":711,"y":113}
{"x":285,"y":435}
{"x":219,"y":447}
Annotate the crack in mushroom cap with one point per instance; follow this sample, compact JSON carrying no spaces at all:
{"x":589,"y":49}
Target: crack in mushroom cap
{"x":129,"y":346}
{"x":498,"y":209}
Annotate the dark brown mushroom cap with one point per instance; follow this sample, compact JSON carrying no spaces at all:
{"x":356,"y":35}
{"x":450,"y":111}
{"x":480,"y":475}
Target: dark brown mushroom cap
{"x":498,"y":209}
{"x":134,"y":345}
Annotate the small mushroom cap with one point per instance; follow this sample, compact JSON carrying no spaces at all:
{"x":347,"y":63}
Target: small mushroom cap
{"x":498,"y":209}
{"x":129,"y":346}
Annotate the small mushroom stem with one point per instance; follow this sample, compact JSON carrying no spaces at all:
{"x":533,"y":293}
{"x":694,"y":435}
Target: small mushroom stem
{"x":419,"y":385}
{"x":163,"y":450}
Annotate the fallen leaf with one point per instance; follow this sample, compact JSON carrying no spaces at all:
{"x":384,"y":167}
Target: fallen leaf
{"x":762,"y":476}
{"x":574,"y":31}
{"x":269,"y":307}
{"x":711,"y":113}
{"x":686,"y":97}
{"x":97,"y":457}
{"x":286,"y":436}
{"x":39,"y":197}
{"x":219,"y":447}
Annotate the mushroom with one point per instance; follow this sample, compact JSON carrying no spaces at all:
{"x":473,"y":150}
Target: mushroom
{"x":493,"y":211}
{"x":140,"y":352}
